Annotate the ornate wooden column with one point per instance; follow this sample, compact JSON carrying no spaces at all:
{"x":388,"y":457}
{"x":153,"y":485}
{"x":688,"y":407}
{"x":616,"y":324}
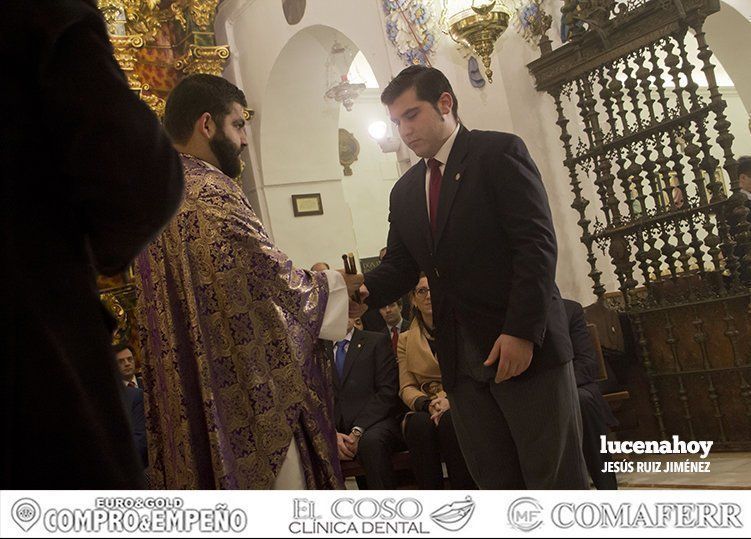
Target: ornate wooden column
{"x":157,"y":43}
{"x":668,"y":217}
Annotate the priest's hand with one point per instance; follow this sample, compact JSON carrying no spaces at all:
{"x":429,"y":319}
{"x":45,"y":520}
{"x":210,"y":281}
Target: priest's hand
{"x":343,"y":441}
{"x":512,"y":354}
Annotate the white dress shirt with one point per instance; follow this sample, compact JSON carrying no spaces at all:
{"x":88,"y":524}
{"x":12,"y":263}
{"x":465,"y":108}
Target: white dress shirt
{"x":443,"y":156}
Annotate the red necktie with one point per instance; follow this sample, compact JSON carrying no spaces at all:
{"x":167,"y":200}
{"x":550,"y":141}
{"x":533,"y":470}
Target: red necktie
{"x":394,"y":338}
{"x":435,"y":191}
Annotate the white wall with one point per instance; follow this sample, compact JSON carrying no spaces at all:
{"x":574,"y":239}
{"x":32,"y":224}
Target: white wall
{"x":373,"y":175}
{"x":294,"y":134}
{"x":294,"y":144}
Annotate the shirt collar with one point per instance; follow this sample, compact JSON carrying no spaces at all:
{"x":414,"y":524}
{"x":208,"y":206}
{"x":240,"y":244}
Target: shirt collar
{"x":397,"y":325}
{"x":348,"y":337}
{"x":747,"y":193}
{"x":443,"y":154}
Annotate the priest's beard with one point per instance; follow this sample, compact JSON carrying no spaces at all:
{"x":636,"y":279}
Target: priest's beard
{"x":227,"y":154}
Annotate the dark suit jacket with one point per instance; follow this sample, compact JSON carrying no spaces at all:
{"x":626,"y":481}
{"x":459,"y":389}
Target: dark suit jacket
{"x":134,"y":406}
{"x":586,"y":369}
{"x":88,"y":178}
{"x":368,"y":391}
{"x":491,"y":267}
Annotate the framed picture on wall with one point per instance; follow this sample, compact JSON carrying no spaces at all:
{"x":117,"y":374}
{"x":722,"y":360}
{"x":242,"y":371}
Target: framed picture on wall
{"x":309,"y":204}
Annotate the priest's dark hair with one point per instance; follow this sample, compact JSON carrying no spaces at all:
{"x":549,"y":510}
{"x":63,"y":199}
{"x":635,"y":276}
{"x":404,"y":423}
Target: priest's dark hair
{"x":429,"y":84}
{"x":195,"y":95}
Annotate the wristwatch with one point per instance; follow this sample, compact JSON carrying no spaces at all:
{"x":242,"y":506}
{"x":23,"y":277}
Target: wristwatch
{"x":357,"y":431}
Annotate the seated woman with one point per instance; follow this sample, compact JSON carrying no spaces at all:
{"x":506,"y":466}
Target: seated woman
{"x":428,"y":429}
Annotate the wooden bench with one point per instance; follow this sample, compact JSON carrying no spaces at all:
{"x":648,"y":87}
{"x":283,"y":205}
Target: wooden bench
{"x":617,"y":399}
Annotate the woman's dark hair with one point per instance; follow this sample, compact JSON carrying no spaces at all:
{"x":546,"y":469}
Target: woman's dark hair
{"x":194,"y":96}
{"x":416,"y":314}
{"x":428,"y":82}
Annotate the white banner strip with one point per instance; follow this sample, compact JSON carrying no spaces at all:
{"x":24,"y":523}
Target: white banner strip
{"x":402,"y":513}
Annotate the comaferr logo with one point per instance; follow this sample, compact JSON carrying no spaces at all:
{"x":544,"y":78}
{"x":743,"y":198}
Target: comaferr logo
{"x":525,"y":514}
{"x":454,"y":516}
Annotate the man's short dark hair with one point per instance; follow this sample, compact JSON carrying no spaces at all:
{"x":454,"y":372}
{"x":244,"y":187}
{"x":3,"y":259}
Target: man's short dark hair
{"x":429,"y":84}
{"x":744,"y":165}
{"x":117,"y":348}
{"x":194,"y":96}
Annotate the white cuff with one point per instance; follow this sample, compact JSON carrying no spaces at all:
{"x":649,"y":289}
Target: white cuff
{"x":336,"y":315}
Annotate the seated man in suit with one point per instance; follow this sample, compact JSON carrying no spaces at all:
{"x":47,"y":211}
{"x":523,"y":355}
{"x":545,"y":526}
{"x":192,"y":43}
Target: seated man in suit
{"x":596,"y":414}
{"x":365,"y":403}
{"x":395,"y":322}
{"x":133,"y":398}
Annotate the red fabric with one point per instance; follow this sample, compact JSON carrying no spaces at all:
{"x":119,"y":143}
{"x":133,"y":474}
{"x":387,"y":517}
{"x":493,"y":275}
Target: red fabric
{"x":394,"y":337}
{"x":434,"y":191}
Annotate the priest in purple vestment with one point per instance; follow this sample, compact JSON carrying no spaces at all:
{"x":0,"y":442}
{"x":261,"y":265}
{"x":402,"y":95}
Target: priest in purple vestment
{"x":237,"y":390}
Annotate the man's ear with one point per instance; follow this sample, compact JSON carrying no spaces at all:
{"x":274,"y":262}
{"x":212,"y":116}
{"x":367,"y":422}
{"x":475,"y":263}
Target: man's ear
{"x":445,"y":103}
{"x":205,"y":125}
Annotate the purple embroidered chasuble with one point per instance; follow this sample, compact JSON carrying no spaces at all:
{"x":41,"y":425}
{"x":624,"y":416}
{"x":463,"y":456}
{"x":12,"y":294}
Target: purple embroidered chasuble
{"x":233,"y":370}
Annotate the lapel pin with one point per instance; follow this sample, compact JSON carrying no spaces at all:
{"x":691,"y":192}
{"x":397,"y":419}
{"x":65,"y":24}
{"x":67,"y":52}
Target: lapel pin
{"x":457,"y":177}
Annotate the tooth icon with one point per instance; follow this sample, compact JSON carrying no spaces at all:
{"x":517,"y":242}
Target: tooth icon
{"x":454,"y":516}
{"x":25,"y":513}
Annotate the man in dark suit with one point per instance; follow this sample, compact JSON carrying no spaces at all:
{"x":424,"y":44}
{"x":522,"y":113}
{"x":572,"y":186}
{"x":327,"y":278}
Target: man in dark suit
{"x":596,"y":414}
{"x":88,"y":179}
{"x":366,"y":389}
{"x":127,"y":365}
{"x":134,"y":405}
{"x":395,"y":323}
{"x":473,"y":215}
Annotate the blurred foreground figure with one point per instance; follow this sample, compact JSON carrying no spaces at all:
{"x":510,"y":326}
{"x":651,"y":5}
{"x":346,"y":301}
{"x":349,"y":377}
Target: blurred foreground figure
{"x":88,"y":178}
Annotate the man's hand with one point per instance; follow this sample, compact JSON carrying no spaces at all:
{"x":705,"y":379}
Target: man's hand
{"x":354,"y":281}
{"x":343,"y":441}
{"x":515,"y":355}
{"x":354,"y":445}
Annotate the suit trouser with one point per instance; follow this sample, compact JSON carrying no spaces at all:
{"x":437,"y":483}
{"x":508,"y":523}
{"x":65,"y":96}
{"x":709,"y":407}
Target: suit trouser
{"x":522,"y":433}
{"x":375,"y":450}
{"x":593,"y":424}
{"x":430,"y":444}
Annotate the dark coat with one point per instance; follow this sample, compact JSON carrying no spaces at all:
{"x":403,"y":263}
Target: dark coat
{"x":368,"y":391}
{"x":586,"y":367}
{"x":491,"y":267}
{"x":89,"y":177}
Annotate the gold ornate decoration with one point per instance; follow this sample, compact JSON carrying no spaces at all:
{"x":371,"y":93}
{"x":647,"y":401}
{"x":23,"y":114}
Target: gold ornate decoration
{"x":155,"y":102}
{"x":349,"y":150}
{"x":177,"y":11}
{"x":475,"y":26}
{"x":200,"y":59}
{"x":125,"y":54}
{"x":202,"y":12}
{"x":137,"y":16}
{"x":116,"y":309}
